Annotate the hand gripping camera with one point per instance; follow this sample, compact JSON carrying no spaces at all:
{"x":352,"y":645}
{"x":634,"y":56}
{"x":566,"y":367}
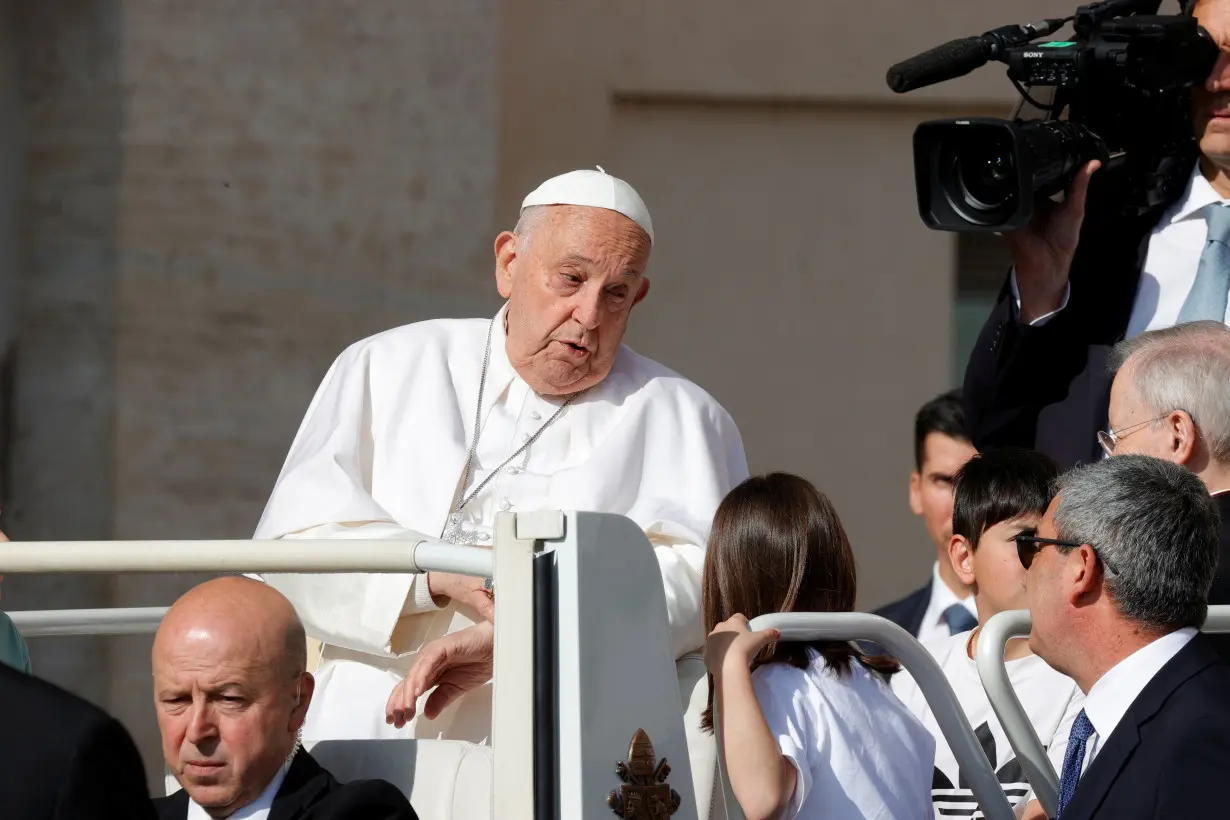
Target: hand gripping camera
{"x":1121,"y":94}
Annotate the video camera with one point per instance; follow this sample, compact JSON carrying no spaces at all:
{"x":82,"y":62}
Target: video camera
{"x":1123,"y":79}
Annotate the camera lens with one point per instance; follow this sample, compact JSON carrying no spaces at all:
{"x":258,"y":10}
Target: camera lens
{"x":987,"y":180}
{"x":979,"y":176}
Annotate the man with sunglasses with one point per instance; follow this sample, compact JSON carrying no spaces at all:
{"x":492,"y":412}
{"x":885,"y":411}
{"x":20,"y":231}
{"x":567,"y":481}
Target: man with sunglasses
{"x":1117,"y":581}
{"x":1171,"y":399}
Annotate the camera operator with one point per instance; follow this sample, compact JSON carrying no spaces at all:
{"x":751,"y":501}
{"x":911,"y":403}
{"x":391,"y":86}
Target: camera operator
{"x":1084,"y":279}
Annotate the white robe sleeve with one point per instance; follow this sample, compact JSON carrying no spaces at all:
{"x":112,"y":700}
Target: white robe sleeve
{"x":680,"y":505}
{"x":324,"y":491}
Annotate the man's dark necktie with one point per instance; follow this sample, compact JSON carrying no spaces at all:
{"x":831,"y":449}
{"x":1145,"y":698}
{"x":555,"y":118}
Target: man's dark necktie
{"x":1073,"y":760}
{"x":959,"y":619}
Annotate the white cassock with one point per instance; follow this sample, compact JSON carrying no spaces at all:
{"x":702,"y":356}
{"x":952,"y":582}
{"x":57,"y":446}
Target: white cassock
{"x":383,"y":447}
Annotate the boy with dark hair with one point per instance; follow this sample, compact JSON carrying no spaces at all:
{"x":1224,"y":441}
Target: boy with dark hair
{"x":999,"y":495}
{"x":943,"y":605}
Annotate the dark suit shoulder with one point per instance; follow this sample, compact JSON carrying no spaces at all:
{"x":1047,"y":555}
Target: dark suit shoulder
{"x":311,"y":792}
{"x":106,"y":778}
{"x":362,"y":800}
{"x":30,"y":702}
{"x":1198,"y":702}
{"x":1187,"y":745}
{"x":1169,"y":755}
{"x":65,"y":757}
{"x":173,"y":806}
{"x":907,"y":612}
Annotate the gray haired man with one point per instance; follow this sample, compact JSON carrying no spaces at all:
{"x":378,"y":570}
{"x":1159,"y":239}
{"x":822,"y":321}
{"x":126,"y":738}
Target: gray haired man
{"x":1171,"y":399}
{"x":1117,"y":580}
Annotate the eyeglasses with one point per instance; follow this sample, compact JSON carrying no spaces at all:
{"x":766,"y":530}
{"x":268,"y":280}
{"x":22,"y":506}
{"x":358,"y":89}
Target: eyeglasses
{"x":1028,"y":546}
{"x":1109,"y":439}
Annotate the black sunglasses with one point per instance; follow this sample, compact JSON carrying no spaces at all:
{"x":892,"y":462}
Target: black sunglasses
{"x":1027,"y":546}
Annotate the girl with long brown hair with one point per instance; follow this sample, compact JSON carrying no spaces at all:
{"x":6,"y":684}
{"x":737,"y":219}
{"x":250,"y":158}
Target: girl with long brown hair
{"x":807,"y":729}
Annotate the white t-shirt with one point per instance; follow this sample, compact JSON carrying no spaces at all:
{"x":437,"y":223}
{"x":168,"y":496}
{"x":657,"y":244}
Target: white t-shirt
{"x":859,"y":753}
{"x":1050,"y":699}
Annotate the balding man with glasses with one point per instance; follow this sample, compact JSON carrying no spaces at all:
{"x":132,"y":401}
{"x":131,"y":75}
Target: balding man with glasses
{"x":1171,"y":399}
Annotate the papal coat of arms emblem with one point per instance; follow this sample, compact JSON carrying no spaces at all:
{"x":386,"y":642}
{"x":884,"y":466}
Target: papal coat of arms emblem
{"x":645,"y":794}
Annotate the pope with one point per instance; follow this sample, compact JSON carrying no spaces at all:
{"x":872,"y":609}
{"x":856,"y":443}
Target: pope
{"x":437,"y":426}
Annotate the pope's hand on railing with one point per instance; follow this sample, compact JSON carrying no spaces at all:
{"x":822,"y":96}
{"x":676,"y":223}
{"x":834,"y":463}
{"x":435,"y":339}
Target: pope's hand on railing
{"x":732,"y":641}
{"x":453,"y":664}
{"x":466,"y":591}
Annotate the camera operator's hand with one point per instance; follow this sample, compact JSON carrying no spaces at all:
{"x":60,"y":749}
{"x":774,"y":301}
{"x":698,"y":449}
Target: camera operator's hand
{"x":1042,"y":251}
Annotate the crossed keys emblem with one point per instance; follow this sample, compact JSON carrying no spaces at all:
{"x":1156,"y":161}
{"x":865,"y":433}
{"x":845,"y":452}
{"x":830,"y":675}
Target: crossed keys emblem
{"x":645,"y":794}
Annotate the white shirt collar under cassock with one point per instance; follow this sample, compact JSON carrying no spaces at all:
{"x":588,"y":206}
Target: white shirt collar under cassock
{"x":258,"y":809}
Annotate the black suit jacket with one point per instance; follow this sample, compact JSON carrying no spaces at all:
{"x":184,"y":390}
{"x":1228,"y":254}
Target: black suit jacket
{"x":1048,"y":388}
{"x":311,"y":793}
{"x":62,"y":758}
{"x":1169,"y":756}
{"x":908,"y":612}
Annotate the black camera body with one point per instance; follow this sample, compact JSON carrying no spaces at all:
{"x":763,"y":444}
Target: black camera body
{"x":1123,"y":80}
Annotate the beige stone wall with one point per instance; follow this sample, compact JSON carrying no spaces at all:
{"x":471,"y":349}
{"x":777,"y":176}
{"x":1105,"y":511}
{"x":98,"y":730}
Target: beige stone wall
{"x":783,"y":299}
{"x":216,"y":198}
{"x":220,"y":197}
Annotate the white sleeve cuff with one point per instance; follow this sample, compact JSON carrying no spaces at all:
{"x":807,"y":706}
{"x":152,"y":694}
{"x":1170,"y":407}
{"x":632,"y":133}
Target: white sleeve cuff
{"x":419,"y":600}
{"x":1041,"y":320}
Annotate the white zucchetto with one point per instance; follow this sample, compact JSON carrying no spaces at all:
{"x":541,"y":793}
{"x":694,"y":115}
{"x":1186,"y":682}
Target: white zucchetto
{"x":593,"y":189}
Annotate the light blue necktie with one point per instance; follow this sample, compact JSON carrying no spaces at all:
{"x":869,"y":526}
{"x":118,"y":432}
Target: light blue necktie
{"x":1207,"y":298}
{"x":959,"y":619}
{"x":1073,"y":758}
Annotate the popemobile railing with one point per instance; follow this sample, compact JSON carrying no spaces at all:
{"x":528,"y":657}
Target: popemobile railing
{"x":574,"y":684}
{"x":391,"y":556}
{"x":857,"y":626}
{"x":213,"y":557}
{"x":993,"y":671}
{"x":513,"y":762}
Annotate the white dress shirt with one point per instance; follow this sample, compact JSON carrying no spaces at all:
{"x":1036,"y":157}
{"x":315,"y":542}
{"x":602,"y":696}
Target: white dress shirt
{"x":1175,"y":247}
{"x":933,"y":625}
{"x":1171,"y":259}
{"x":1115,"y":692}
{"x":258,"y":809}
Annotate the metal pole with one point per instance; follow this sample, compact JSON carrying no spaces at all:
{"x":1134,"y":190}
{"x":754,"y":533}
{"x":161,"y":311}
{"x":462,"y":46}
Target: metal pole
{"x":285,"y":555}
{"x":61,"y":622}
{"x":1018,"y":728}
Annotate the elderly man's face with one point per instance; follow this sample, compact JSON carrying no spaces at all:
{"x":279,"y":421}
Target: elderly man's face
{"x":227,"y":711}
{"x":1136,"y":427}
{"x":570,"y":294}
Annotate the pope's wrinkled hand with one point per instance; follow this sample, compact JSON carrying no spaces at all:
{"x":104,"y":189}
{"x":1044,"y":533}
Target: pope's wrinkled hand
{"x":464,"y":590}
{"x":453,"y":664}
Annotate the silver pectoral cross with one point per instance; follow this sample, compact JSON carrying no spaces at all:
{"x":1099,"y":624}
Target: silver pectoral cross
{"x":457,"y":531}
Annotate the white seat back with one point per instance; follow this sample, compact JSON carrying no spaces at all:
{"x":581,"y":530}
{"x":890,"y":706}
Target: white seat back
{"x":444,"y":779}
